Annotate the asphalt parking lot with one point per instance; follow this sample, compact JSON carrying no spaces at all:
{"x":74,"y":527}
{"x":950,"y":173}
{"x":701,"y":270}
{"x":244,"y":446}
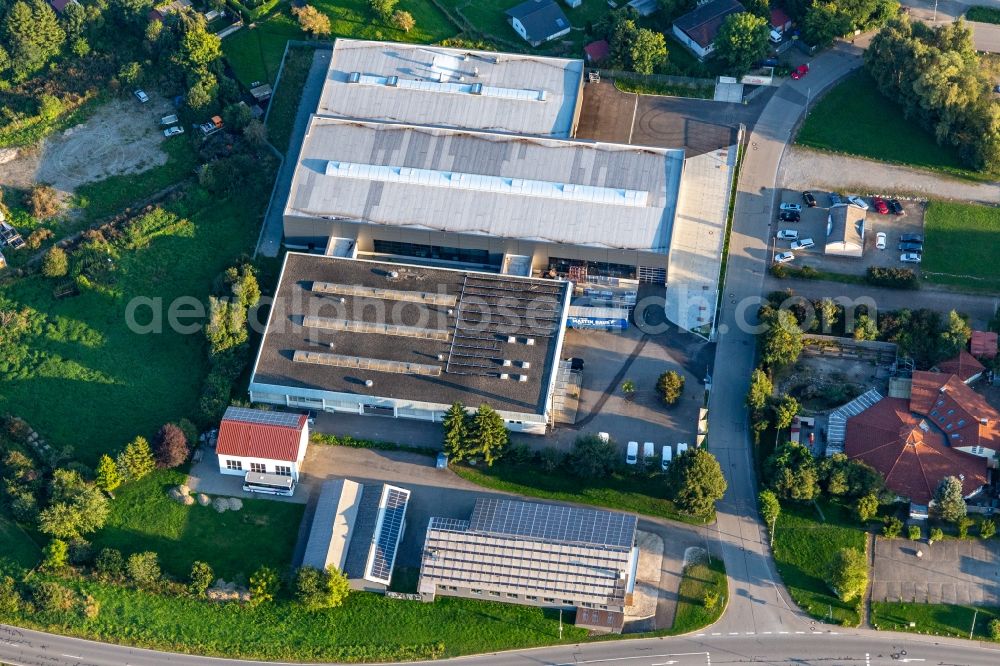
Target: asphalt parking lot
{"x":696,"y":125}
{"x":814,"y":223}
{"x":954,"y":571}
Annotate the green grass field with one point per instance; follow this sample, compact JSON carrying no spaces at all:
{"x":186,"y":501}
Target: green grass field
{"x":961,"y":240}
{"x":698,"y":579}
{"x":255,"y":53}
{"x":854,"y":118}
{"x":643,"y":495}
{"x":935,"y":619}
{"x":803,"y":546}
{"x":285,"y":103}
{"x":983,"y":14}
{"x":16,"y":548}
{"x":235,"y":544}
{"x":95,"y":384}
{"x":368,"y":627}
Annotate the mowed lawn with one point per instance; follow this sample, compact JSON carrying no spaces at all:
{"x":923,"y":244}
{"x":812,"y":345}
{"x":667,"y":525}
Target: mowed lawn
{"x":234,"y":543}
{"x":803,"y":546}
{"x":95,"y":384}
{"x":961,"y":244}
{"x":698,"y":580}
{"x":936,"y":619}
{"x":16,"y":547}
{"x":255,"y":53}
{"x":285,"y":104}
{"x":855,"y":118}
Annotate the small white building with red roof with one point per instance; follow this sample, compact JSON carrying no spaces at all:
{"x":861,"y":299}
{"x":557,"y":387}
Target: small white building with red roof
{"x":264,"y":442}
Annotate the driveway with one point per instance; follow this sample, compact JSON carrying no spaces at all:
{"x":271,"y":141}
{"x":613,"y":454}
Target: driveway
{"x":802,"y":169}
{"x":954,"y":571}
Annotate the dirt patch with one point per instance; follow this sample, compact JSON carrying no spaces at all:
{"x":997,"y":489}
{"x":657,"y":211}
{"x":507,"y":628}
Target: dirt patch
{"x":121,"y":137}
{"x":824,"y":384}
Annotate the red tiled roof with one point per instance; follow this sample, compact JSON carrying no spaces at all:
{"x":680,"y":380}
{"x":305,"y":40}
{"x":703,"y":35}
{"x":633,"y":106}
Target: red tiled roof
{"x":703,"y":22}
{"x":983,"y":344}
{"x":779,"y":19}
{"x":59,"y":5}
{"x":965,"y":365}
{"x":909,"y":453}
{"x":957,"y":410}
{"x":597,"y":51}
{"x":259,"y":440}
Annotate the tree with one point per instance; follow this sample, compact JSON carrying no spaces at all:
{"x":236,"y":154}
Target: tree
{"x":109,"y":564}
{"x":109,"y":476}
{"x":171,"y":446}
{"x":849,"y":574}
{"x":143,"y":569}
{"x":75,"y":508}
{"x":321,"y":589}
{"x":995,"y":629}
{"x":865,"y":328}
{"x":823,"y":23}
{"x":629,"y":389}
{"x":648,"y":51}
{"x":136,"y":461}
{"x":781,"y":342}
{"x":791,"y":472}
{"x":198,"y":47}
{"x":622,"y":31}
{"x":741,"y":41}
{"x":312,"y":20}
{"x":33,"y":37}
{"x":987,"y":528}
{"x":770,"y":509}
{"x":55,"y":263}
{"x":202,"y":94}
{"x":10,"y":598}
{"x":130,"y":74}
{"x":403,"y":20}
{"x":892,"y":527}
{"x":237,"y":116}
{"x":696,"y":482}
{"x":964,"y":523}
{"x":264,"y":584}
{"x":255,"y":133}
{"x":383,"y":8}
{"x":760,"y":391}
{"x":670,"y":386}
{"x":456,"y":432}
{"x":785,"y":410}
{"x":201,"y":578}
{"x":949,"y":503}
{"x":56,"y":555}
{"x":956,"y":335}
{"x":866,"y":508}
{"x":488,"y":433}
{"x":592,"y":457}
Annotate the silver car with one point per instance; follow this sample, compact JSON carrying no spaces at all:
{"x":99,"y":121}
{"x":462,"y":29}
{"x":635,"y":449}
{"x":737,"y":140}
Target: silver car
{"x":910,"y":258}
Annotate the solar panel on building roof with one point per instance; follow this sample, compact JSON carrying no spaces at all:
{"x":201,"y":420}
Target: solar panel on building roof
{"x":383,"y":554}
{"x":551,"y":522}
{"x":244,"y":415}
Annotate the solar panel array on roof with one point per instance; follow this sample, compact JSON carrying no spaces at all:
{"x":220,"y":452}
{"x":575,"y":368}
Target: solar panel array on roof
{"x":383,"y":554}
{"x":285,"y":419}
{"x":551,"y":522}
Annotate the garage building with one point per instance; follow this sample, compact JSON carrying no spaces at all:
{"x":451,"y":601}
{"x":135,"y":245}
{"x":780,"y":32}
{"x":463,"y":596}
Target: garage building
{"x":845,"y":231}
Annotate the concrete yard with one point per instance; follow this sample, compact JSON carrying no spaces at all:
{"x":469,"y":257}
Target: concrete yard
{"x":954,"y":571}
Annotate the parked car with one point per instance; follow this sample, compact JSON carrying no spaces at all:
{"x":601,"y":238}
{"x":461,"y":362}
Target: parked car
{"x":859,"y":202}
{"x":648,"y":450}
{"x":173,"y":131}
{"x":912,"y":238}
{"x":774,"y":37}
{"x":632,"y":453}
{"x":169,"y":120}
{"x":791,"y":206}
{"x":803,"y":244}
{"x":141,"y":96}
{"x":665,"y":456}
{"x":836,"y":199}
{"x":809,"y":198}
{"x":880,"y":240}
{"x":880,"y":205}
{"x":442,"y":461}
{"x":910,"y":258}
{"x":896,"y":207}
{"x":800,"y":71}
{"x":575,"y":363}
{"x":789,"y":216}
{"x":783,"y":257}
{"x":912,"y":247}
{"x":682,"y":447}
{"x":788,"y":234}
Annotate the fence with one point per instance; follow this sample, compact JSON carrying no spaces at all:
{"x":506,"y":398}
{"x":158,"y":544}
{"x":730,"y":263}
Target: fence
{"x":883,"y":353}
{"x":667,"y":79}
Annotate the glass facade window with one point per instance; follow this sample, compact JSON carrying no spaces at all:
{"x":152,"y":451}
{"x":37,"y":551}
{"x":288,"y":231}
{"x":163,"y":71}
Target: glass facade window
{"x":259,"y":468}
{"x":441,"y":252}
{"x":594,"y":268}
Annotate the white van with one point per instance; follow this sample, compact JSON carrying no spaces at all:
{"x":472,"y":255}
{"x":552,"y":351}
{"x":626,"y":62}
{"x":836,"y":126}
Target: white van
{"x":632,"y":453}
{"x":681,"y":447}
{"x":665,"y":456}
{"x":648,"y":450}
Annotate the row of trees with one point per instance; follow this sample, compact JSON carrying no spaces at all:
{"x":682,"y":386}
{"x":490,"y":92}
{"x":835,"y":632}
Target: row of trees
{"x":480,"y":434}
{"x":935,"y":74}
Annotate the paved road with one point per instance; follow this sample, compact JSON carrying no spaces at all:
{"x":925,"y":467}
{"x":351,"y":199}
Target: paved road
{"x":804,"y":169}
{"x":858,"y":648}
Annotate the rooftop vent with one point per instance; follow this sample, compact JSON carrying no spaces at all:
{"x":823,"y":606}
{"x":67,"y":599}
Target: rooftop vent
{"x":511,"y":339}
{"x":529,"y":341}
{"x":393,"y":275}
{"x":943,"y":389}
{"x":354,"y":77}
{"x":524,"y":364}
{"x":476,"y":89}
{"x":369,"y":383}
{"x":392,"y":81}
{"x":440,"y":357}
{"x":541,"y":95}
{"x":475,"y":71}
{"x":507,"y":363}
{"x":504,"y":375}
{"x":522,"y":378}
{"x":984,"y":421}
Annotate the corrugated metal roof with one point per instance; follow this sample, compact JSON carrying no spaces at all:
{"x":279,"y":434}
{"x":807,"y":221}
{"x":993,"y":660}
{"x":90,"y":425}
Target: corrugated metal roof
{"x":333,"y":524}
{"x":559,"y":79}
{"x":260,"y":440}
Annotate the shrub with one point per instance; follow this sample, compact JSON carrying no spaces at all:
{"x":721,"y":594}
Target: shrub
{"x":264,"y":584}
{"x":171,"y":446}
{"x":964,"y":523}
{"x":403,"y":20}
{"x":201,"y":578}
{"x":995,"y":629}
{"x":987,"y":529}
{"x":37,"y":237}
{"x":109,"y":564}
{"x":143,"y":569}
{"x":51,"y":597}
{"x":550,"y":458}
{"x":55,"y":555}
{"x":895,"y":278}
{"x":43,"y":201}
{"x":10,"y":598}
{"x":55,"y":263}
{"x":670,"y":386}
{"x":849,"y":574}
{"x":592,"y":457}
{"x":936,"y":534}
{"x":892,"y":528}
{"x":321,"y":589}
{"x":711,"y":599}
{"x":913,"y":531}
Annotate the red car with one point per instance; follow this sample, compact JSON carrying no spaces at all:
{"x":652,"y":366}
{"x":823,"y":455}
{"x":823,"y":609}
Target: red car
{"x":880,"y":205}
{"x":800,"y":71}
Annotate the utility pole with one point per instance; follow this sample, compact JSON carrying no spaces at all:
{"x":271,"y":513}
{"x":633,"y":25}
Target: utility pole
{"x":973,"y":627}
{"x":560,"y":624}
{"x":935,"y":11}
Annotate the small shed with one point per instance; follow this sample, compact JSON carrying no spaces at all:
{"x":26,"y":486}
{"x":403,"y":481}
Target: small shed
{"x":845,"y":231}
{"x":261,"y":93}
{"x":596,"y":52}
{"x":538,"y":21}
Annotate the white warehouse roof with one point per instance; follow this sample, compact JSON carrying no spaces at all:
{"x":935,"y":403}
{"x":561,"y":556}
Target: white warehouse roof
{"x":444,"y":87}
{"x":529,"y":188}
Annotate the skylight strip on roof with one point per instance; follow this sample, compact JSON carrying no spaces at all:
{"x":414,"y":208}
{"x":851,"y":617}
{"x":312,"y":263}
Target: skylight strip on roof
{"x":355,"y":326}
{"x":361,"y":363}
{"x":483,"y":183}
{"x":452,"y":87}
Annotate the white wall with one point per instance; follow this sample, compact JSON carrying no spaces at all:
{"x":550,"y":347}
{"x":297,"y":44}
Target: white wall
{"x":269,"y":465}
{"x":519,"y":28}
{"x":691,"y":44}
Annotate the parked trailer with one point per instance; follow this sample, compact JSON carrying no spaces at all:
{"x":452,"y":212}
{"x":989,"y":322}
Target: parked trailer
{"x":168,"y":120}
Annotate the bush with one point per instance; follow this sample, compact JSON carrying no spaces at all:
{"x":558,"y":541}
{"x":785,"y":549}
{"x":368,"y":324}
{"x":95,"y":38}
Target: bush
{"x":321,"y":589}
{"x":849,"y":574}
{"x":983,"y":14}
{"x":936,"y":534}
{"x":109,"y":564}
{"x":987,"y":529}
{"x":913,"y":531}
{"x":171,"y":446}
{"x":264,"y":584}
{"x":670,"y":386}
{"x":56,"y":555}
{"x":592,"y":457}
{"x":964,"y":523}
{"x":10,"y":598}
{"x":895,"y":278}
{"x":55,"y":263}
{"x":50,"y":597}
{"x":995,"y":629}
{"x":37,"y":237}
{"x":550,"y":458}
{"x":143,"y":569}
{"x":892,"y":528}
{"x":42,"y":201}
{"x":201,"y":578}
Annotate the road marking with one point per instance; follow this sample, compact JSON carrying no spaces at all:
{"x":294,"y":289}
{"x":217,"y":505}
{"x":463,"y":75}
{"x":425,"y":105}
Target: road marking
{"x":698,"y":635}
{"x":73,"y":656}
{"x":748,"y":633}
{"x":817,"y":632}
{"x":717,"y":633}
{"x":800,"y":632}
{"x":646,"y":656}
{"x":782,"y":632}
{"x":767,"y":633}
{"x":907,"y":660}
{"x":734,"y":633}
{"x":665,"y":663}
{"x":868,"y":659}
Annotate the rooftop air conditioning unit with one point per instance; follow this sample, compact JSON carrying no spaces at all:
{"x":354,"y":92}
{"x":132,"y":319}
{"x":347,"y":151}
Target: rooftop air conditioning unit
{"x":522,"y":378}
{"x":392,"y":81}
{"x":504,"y":375}
{"x":524,"y":364}
{"x":354,"y":77}
{"x":529,"y":341}
{"x":507,"y":363}
{"x":511,"y":339}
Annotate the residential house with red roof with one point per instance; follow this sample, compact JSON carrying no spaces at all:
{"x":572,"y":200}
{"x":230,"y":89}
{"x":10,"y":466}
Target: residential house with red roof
{"x":263,"y":442}
{"x":984,"y":344}
{"x":943,"y":429}
{"x":697,"y":29}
